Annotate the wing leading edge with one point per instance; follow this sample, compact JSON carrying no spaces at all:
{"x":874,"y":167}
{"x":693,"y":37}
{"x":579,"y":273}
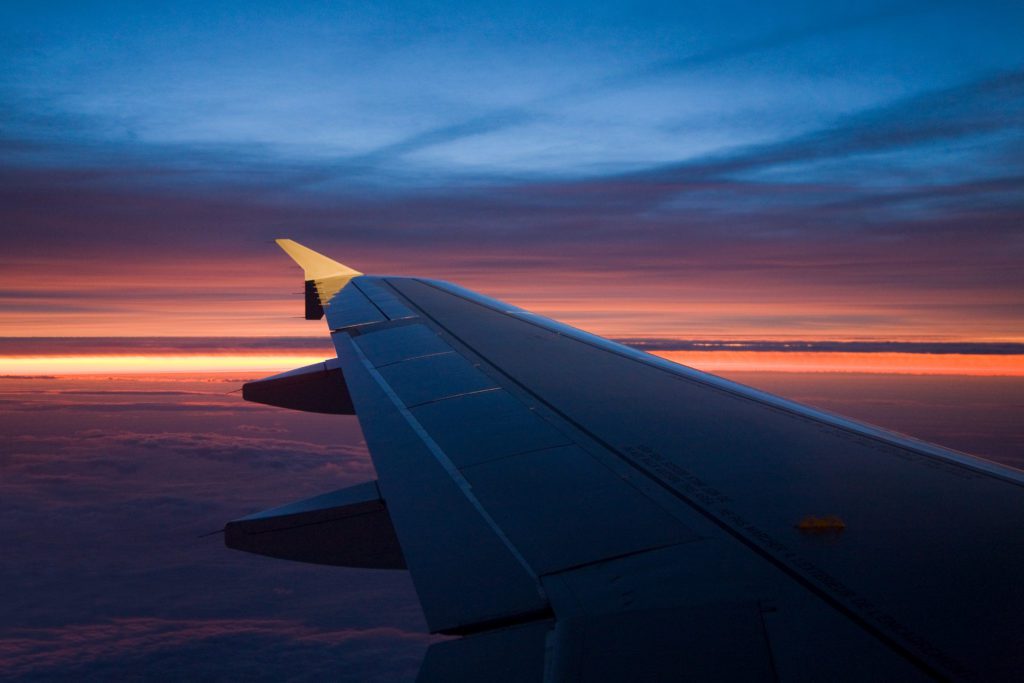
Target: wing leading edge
{"x":578,"y":510}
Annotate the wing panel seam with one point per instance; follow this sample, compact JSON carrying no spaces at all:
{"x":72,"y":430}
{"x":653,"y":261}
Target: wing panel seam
{"x":367,"y":296}
{"x":464,"y":486}
{"x":425,"y":355}
{"x":459,"y":395}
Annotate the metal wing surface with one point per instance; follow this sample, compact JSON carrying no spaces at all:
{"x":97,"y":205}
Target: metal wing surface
{"x":573,"y":509}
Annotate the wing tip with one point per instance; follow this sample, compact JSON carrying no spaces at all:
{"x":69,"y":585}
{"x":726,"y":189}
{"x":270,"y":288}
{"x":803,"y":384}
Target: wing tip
{"x":315,"y":265}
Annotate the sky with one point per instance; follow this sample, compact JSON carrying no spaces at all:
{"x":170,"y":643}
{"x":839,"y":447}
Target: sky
{"x":719,"y":170}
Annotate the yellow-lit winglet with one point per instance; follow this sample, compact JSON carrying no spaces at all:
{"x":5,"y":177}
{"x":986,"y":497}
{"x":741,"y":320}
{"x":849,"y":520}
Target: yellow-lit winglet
{"x":316,"y":266}
{"x":325,"y":276}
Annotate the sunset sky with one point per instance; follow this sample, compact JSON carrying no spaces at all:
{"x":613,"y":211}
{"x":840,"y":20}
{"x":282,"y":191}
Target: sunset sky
{"x":686,"y":171}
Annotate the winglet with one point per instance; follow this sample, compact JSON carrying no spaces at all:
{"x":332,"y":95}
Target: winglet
{"x":324,"y":277}
{"x":316,"y":266}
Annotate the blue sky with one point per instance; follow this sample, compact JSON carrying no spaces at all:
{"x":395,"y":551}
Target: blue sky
{"x":433,"y":92}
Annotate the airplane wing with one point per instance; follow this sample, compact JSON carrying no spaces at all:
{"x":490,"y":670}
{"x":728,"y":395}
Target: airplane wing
{"x":576,"y":510}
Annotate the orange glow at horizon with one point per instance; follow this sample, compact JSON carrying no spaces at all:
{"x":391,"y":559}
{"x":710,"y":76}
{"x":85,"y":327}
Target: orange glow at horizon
{"x":870,"y":363}
{"x":155,"y":364}
{"x":708,"y":361}
{"x":172,"y":294}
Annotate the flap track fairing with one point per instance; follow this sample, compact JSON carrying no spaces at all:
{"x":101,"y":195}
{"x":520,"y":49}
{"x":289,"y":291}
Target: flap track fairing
{"x":317,"y":388}
{"x":346,"y":528}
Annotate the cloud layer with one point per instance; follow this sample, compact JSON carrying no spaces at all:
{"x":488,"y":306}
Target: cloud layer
{"x":110,"y":487}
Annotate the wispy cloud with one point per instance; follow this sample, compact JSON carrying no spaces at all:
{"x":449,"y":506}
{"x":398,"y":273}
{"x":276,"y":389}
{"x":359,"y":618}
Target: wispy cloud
{"x":479,"y":125}
{"x":976,"y":109}
{"x":786,"y":36}
{"x":527,"y":111}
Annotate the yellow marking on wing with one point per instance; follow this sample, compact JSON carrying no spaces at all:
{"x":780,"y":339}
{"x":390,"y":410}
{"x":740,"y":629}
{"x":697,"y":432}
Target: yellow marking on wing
{"x":327,"y":275}
{"x":829,"y":523}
